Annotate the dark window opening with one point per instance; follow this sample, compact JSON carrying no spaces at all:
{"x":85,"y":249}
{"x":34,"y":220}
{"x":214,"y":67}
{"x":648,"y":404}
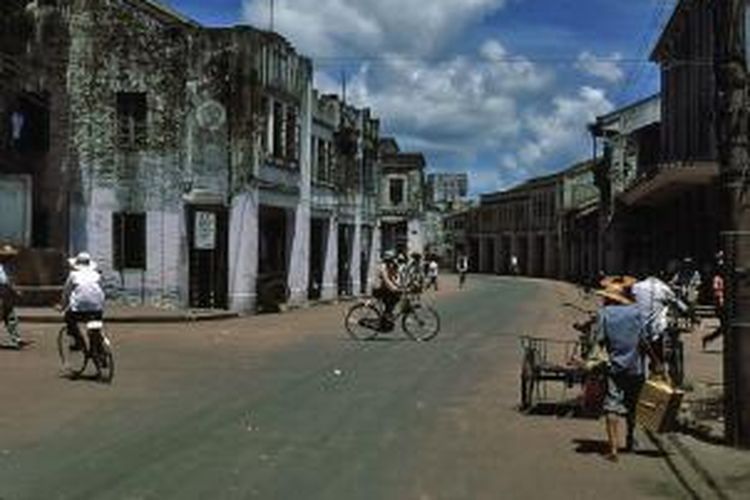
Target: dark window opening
{"x":292,"y":135}
{"x":129,"y":240}
{"x":131,"y":120}
{"x":278,"y":130}
{"x":396,"y":191}
{"x":26,"y":124}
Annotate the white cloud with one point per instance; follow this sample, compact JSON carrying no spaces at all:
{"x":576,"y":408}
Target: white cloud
{"x":334,"y":27}
{"x":498,"y":111}
{"x":564,"y":129}
{"x":606,"y":68}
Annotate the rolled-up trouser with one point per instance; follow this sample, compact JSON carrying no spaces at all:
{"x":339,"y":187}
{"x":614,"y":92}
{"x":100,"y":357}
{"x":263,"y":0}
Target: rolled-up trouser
{"x":11,"y":322}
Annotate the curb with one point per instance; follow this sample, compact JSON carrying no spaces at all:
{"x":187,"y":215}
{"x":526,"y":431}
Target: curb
{"x":697,"y":481}
{"x":184,"y":318}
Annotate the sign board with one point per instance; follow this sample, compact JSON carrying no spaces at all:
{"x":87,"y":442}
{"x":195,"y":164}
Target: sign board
{"x":204,"y":236}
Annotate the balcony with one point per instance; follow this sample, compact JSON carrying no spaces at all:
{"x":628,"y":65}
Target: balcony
{"x":669,"y":179}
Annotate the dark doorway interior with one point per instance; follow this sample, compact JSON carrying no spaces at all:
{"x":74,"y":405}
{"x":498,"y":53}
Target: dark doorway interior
{"x":318,"y":251}
{"x":273,"y":257}
{"x":364,"y":263}
{"x":207,"y":230}
{"x":346,"y":247}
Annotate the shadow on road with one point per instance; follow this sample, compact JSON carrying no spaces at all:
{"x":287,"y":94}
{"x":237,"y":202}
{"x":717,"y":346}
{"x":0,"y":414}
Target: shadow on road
{"x":563,"y":409}
{"x":601,"y":447}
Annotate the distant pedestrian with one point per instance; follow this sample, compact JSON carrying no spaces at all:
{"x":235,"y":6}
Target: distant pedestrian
{"x":432,"y":274}
{"x":514,"y":268}
{"x":462,"y":266}
{"x":719,"y":296}
{"x":8,"y":298}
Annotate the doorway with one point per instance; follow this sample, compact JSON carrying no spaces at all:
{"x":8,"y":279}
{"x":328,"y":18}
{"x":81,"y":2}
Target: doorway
{"x":208,"y":242}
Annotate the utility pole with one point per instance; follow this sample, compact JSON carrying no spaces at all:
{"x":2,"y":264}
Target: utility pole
{"x":730,"y":71}
{"x":272,"y":13}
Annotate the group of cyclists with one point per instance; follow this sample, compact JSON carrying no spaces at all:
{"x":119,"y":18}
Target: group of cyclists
{"x":82,"y":299}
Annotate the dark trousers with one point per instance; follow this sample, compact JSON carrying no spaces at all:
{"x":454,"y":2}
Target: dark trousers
{"x":721,"y":314}
{"x":72,"y":318}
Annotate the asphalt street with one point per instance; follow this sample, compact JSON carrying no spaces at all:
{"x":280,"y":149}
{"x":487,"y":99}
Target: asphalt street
{"x":288,"y":407}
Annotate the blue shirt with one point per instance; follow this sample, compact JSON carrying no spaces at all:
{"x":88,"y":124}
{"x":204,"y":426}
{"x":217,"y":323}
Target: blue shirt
{"x":619,"y":329}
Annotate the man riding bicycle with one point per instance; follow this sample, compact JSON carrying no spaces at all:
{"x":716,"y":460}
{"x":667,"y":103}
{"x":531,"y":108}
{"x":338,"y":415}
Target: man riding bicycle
{"x":387,"y":288}
{"x":83,"y":297}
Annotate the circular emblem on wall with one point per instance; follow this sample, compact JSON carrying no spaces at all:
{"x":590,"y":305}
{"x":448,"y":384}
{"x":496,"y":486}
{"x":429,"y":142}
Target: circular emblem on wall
{"x":211,"y":115}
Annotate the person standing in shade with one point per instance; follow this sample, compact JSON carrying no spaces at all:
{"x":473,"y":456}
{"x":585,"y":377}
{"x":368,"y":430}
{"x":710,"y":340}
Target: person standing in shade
{"x":718,"y":288}
{"x":8,"y":298}
{"x":462,"y":266}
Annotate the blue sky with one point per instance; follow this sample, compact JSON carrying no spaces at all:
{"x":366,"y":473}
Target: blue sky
{"x":502,"y":89}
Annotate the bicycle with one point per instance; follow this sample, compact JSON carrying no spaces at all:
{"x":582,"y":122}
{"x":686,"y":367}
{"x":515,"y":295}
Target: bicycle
{"x":365,"y":320}
{"x":96,"y":348}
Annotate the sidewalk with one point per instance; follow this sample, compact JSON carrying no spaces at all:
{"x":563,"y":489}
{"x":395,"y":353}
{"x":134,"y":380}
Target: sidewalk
{"x":129,"y":314}
{"x":713,"y":469}
{"x":695,"y":454}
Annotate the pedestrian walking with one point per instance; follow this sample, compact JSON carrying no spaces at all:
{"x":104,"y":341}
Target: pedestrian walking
{"x":618,"y":330}
{"x":462,"y":266}
{"x":8,"y":298}
{"x":514,"y":268}
{"x":432,"y":274}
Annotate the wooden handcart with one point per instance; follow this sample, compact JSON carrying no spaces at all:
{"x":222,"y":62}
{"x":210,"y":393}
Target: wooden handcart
{"x":547,"y":360}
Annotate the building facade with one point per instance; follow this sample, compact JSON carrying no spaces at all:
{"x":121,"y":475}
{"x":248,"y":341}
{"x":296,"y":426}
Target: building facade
{"x":401,"y":199}
{"x":181,"y":157}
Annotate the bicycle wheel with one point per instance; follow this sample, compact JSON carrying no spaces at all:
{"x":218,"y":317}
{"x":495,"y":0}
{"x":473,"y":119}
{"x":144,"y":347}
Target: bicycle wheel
{"x":421,"y":322}
{"x":73,"y":362}
{"x":102,"y":357}
{"x":362,"y":321}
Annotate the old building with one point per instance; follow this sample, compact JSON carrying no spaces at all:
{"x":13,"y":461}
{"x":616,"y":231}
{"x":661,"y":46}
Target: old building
{"x":401,"y":198}
{"x":343,"y":245}
{"x":172,"y":152}
{"x":579,"y":219}
{"x":668,"y":208}
{"x":521,"y":222}
{"x":630,"y":140}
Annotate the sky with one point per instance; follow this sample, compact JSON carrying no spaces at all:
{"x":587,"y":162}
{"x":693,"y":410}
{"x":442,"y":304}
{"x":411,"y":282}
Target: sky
{"x":501,"y":89}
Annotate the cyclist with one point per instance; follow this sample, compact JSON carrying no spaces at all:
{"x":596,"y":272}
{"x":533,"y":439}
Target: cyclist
{"x":387,"y":289}
{"x":83,"y":297}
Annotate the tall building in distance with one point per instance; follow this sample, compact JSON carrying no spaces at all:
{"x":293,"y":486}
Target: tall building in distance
{"x":447,"y":190}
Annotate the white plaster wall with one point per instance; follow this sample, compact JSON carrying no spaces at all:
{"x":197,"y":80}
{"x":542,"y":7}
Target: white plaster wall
{"x":415,"y":238}
{"x":243,"y":252}
{"x":161,"y":283}
{"x":299,"y":266}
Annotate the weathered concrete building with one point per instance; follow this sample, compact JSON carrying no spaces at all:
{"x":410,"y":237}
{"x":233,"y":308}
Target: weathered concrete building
{"x":579,"y":213}
{"x":178,"y":155}
{"x":630,"y":140}
{"x":401,"y":198}
{"x":521,"y":222}
{"x":344,"y":242}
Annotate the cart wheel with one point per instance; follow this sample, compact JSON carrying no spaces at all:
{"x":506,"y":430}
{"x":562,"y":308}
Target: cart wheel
{"x":527,"y":381}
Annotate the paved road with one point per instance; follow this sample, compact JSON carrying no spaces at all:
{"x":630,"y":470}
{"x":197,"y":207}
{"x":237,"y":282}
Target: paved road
{"x":286,"y":407}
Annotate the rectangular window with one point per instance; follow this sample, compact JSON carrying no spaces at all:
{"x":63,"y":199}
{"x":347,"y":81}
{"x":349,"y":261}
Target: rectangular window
{"x":129,"y":240}
{"x":278,"y":130}
{"x":396,"y":191}
{"x":322,"y":159}
{"x":292,"y":135}
{"x":131,"y":120}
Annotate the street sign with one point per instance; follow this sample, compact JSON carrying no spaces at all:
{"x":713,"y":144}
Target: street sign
{"x":205,"y":231}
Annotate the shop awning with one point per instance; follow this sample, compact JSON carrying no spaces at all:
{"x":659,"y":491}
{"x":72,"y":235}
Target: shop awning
{"x":670,"y":179}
